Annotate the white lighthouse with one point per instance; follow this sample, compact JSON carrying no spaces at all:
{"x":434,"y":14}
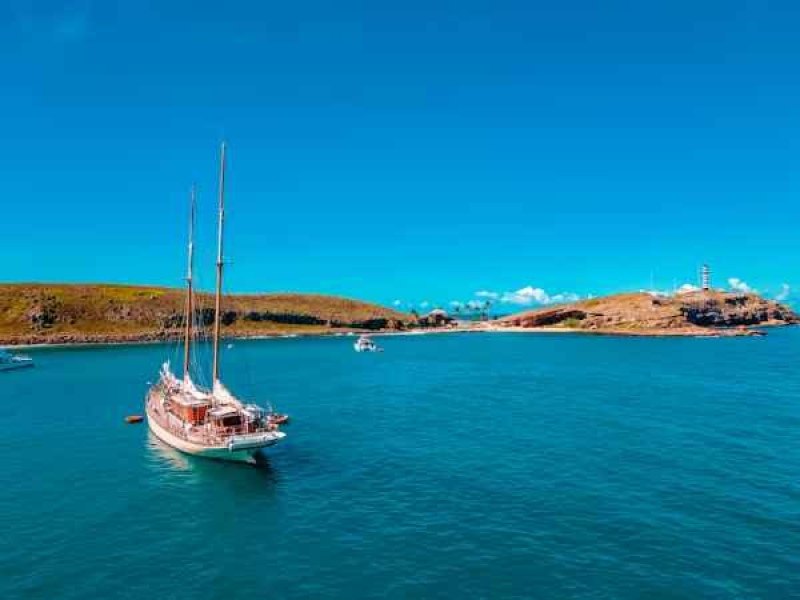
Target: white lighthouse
{"x":705,"y":278}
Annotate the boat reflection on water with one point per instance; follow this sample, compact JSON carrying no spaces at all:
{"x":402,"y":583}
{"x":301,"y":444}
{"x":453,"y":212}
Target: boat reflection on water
{"x":165,"y":456}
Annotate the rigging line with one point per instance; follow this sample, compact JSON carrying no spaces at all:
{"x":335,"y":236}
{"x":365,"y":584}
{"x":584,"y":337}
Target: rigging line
{"x":198,"y":353}
{"x":254,"y":384}
{"x":189,"y":309}
{"x":220,"y":264}
{"x":175,"y":344}
{"x":248,"y":373}
{"x":204,"y":357}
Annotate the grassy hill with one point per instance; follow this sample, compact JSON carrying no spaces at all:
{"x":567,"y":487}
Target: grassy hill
{"x":643,"y":313}
{"x":76,"y":313}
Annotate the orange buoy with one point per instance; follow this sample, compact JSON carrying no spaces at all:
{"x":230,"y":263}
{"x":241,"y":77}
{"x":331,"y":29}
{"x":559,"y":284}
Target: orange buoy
{"x":134,"y":419}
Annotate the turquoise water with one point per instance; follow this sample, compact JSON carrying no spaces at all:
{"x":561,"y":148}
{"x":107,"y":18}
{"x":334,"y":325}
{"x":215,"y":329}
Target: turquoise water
{"x":450,"y":466}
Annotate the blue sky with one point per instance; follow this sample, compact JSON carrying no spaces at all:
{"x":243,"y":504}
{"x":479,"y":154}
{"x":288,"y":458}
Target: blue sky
{"x":423,"y":151}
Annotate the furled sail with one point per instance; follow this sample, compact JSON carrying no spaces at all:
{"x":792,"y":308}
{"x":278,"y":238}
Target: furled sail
{"x":223,"y":396}
{"x":190,"y":388}
{"x":167,"y":376}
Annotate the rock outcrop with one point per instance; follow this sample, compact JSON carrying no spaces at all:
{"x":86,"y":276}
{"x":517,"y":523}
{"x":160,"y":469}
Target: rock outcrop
{"x":692,"y":313}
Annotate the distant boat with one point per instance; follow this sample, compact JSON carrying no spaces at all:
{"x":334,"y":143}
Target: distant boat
{"x":10,"y":361}
{"x":365,"y":344}
{"x":210,"y":423}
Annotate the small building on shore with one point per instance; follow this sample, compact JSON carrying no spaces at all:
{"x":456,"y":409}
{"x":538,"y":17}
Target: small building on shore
{"x":438,"y":317}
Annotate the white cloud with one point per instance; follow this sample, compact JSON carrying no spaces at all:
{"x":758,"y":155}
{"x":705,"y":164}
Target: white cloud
{"x":687,"y":288}
{"x":656,"y":293}
{"x":564,"y":297}
{"x":424,"y":304}
{"x":486,"y":294}
{"x":784,"y":293}
{"x":397,"y":302}
{"x":470,"y":305}
{"x":525,"y":296}
{"x":739,"y":286}
{"x":530,"y":295}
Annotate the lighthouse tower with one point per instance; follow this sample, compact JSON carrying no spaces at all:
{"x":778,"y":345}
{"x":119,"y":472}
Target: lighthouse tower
{"x":705,"y":278}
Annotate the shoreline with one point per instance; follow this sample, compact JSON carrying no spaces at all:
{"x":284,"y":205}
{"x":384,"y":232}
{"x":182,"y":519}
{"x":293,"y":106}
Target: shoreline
{"x":88,"y":343}
{"x":699,"y":332}
{"x":655,"y":333}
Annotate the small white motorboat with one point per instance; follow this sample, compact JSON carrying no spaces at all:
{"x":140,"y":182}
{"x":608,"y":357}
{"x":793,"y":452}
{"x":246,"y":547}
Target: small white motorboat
{"x":10,"y":361}
{"x":365,"y":344}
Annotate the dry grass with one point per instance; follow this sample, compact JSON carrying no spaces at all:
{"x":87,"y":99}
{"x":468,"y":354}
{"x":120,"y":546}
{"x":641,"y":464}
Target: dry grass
{"x":30,"y":310}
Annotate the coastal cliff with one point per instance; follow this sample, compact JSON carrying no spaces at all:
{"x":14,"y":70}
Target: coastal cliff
{"x":69,"y":314}
{"x":695,"y":313}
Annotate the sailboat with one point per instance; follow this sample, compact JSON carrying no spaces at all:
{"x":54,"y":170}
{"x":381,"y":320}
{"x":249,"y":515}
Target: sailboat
{"x":209,"y":423}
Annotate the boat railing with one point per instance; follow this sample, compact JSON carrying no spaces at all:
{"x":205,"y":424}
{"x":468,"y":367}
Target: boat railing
{"x":199,"y":433}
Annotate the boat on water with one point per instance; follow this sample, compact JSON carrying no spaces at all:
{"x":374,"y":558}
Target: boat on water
{"x":9,"y":362}
{"x":365,"y":344}
{"x":211,"y":423}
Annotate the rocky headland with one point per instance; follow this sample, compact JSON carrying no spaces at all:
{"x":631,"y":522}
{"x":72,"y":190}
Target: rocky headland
{"x":695,"y":313}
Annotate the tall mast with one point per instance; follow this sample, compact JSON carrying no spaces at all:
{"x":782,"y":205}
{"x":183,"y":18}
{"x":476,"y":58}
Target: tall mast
{"x":189,"y":292}
{"x":218,"y":297}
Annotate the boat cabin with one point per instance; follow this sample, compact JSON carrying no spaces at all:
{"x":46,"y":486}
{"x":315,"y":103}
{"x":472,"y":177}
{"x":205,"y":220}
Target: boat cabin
{"x":190,"y":408}
{"x":225,"y":416}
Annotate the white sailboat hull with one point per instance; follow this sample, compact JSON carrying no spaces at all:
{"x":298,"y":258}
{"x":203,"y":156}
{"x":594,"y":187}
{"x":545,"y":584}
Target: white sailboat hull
{"x":237,"y":452}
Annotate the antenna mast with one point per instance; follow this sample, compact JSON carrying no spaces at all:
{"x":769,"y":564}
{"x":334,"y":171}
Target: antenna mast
{"x":189,"y":291}
{"x":218,"y":297}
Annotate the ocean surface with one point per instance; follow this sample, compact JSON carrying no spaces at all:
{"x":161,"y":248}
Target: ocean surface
{"x":450,"y":466}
